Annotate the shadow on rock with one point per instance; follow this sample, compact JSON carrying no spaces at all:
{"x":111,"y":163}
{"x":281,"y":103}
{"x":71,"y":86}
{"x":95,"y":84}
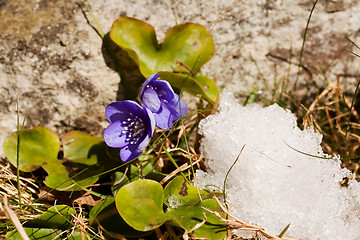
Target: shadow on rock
{"x":130,"y":75}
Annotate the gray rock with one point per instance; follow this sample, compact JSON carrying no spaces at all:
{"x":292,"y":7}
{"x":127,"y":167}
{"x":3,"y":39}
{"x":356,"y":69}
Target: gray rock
{"x":53,"y":59}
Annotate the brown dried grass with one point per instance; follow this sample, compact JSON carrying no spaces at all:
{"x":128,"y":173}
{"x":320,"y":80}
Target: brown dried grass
{"x":333,"y":115}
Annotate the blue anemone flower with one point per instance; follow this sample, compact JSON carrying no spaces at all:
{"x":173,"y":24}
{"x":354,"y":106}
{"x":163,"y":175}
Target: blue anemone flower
{"x":131,"y":128}
{"x":160,"y":98}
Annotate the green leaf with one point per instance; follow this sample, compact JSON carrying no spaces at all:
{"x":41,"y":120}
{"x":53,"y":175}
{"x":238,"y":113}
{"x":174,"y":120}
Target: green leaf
{"x":78,"y":235}
{"x":36,"y":233}
{"x":140,"y":204}
{"x":178,"y":193}
{"x":84,"y":157}
{"x":252,"y":96}
{"x":106,"y":215}
{"x":188,"y":216}
{"x":82,"y":148}
{"x":38,"y":146}
{"x":48,"y":234}
{"x":183,"y":43}
{"x":58,"y":177}
{"x":186,"y":209}
{"x":198,"y":85}
{"x":57,"y":217}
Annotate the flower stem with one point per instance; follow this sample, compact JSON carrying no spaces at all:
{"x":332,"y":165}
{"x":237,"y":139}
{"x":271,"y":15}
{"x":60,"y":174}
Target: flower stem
{"x":108,"y":45}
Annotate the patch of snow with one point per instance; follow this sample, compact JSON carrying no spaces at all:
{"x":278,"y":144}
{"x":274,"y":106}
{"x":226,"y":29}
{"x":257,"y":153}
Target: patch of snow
{"x":271,"y":184}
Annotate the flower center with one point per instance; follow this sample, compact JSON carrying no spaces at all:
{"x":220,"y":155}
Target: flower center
{"x":134,"y":129}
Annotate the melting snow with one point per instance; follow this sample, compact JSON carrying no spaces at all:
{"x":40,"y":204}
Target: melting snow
{"x":272,"y":185}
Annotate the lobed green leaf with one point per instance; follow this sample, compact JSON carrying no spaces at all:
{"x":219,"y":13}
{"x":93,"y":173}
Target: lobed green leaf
{"x":189,"y":44}
{"x":199,"y":85}
{"x":84,"y":157}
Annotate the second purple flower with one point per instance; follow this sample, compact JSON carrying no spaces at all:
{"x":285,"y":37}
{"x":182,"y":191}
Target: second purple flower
{"x":159,"y":97}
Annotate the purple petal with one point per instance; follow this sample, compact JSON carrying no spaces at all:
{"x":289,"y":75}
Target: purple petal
{"x":170,"y":113}
{"x":130,"y":152}
{"x":151,"y":100}
{"x":163,"y":118}
{"x":119,"y":111}
{"x":142,"y":145}
{"x":148,"y":81}
{"x":114,"y":135}
{"x":177,"y":109}
{"x":151,"y":123}
{"x":182,"y":108}
{"x":173,"y":103}
{"x":164,"y":90}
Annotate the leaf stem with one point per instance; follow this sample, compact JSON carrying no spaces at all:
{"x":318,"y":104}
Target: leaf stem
{"x":98,"y":27}
{"x":107,"y":43}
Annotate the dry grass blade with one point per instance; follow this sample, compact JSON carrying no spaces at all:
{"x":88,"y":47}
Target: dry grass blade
{"x":234,"y":223}
{"x":160,"y":235}
{"x":186,"y":234}
{"x":173,"y":173}
{"x":317,"y":100}
{"x":335,"y":116}
{"x":176,"y":171}
{"x":82,"y":224}
{"x":13,"y":218}
{"x":9,"y":189}
{"x":171,"y":232}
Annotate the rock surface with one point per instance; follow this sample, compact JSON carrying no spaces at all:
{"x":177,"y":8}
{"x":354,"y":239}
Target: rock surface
{"x":53,"y":59}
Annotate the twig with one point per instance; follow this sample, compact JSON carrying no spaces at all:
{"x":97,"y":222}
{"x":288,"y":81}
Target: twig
{"x":12,"y":217}
{"x":186,"y":233}
{"x":238,"y":224}
{"x":175,"y":164}
{"x":177,"y":170}
{"x":317,"y":100}
{"x":171,"y":232}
